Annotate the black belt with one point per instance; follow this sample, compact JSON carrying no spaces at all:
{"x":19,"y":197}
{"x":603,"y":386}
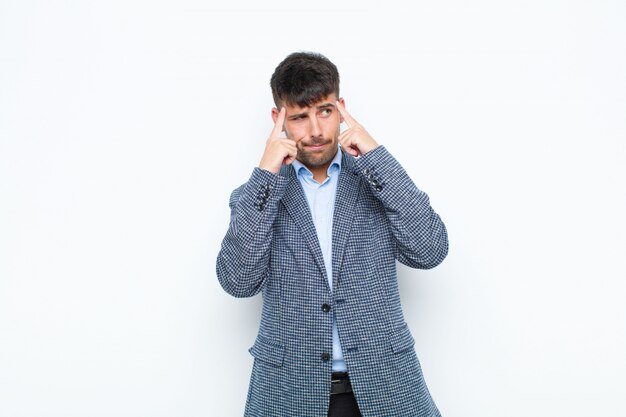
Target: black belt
{"x":340,"y":383}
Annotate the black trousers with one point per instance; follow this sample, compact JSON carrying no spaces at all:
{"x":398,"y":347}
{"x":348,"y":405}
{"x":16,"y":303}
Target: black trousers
{"x":343,"y":405}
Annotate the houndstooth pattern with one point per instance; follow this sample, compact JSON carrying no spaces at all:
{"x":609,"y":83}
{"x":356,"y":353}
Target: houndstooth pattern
{"x":271,"y":247}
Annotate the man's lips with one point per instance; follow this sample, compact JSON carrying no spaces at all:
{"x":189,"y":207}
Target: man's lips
{"x":316,"y":146}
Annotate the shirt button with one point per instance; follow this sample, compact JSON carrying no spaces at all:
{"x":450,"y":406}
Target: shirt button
{"x":325,"y":357}
{"x":325,"y":308}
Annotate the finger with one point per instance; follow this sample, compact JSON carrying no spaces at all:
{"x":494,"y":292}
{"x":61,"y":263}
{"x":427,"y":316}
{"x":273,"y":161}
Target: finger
{"x":289,"y":144}
{"x":280,"y":120}
{"x":291,"y":156}
{"x":346,"y":137}
{"x":347,"y":145}
{"x":350,"y":150}
{"x":346,"y":116}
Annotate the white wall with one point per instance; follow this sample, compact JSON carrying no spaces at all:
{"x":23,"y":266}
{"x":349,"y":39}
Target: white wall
{"x":125,"y":125}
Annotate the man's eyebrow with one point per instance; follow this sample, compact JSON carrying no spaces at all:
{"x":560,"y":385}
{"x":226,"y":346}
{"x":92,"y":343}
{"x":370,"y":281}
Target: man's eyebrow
{"x":305,"y":114}
{"x":296,"y":115}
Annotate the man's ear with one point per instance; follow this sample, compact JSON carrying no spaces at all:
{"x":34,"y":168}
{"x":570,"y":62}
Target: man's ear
{"x":343,"y":103}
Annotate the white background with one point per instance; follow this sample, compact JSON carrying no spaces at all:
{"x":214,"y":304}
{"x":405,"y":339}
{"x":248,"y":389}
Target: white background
{"x":125,"y":125}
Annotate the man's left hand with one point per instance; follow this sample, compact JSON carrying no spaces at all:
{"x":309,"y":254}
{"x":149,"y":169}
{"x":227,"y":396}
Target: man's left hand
{"x":355,"y":140}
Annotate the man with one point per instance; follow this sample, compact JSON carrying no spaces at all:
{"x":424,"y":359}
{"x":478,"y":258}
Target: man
{"x":317,"y":229}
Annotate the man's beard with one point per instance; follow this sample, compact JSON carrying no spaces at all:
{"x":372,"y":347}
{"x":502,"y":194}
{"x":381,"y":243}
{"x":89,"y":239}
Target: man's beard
{"x":315,"y":158}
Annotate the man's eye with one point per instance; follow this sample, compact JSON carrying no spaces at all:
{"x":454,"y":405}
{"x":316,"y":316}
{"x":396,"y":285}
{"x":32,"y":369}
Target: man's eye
{"x":326,"y":112}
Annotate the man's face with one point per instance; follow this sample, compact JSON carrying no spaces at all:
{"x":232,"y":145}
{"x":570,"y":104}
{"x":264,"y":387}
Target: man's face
{"x":315,"y":130}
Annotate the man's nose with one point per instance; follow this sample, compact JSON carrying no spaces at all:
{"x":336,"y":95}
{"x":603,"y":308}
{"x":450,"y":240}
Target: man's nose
{"x":314,"y":127}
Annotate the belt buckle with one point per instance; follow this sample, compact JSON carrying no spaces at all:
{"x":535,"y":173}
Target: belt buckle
{"x":340,"y":386}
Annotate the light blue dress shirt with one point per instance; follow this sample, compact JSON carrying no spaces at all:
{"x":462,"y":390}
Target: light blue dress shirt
{"x":321,"y":199}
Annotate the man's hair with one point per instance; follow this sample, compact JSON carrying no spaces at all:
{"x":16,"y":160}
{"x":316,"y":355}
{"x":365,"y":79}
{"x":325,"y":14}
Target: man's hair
{"x":303,"y":79}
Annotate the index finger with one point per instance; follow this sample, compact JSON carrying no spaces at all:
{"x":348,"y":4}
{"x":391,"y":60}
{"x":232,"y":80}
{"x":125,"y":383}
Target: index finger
{"x":280,"y":120}
{"x":346,"y":116}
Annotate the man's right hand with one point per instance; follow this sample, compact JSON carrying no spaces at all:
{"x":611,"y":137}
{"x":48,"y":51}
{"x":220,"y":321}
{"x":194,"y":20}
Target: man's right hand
{"x":278,"y":150}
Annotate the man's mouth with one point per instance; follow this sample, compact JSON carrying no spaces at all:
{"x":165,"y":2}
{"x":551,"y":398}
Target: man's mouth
{"x":316,"y":146}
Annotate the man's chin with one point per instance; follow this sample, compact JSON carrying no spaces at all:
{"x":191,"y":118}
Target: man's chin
{"x":313,"y":162}
{"x":316,"y":159}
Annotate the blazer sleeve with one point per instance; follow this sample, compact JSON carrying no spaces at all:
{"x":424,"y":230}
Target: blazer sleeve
{"x":243,"y":260}
{"x":421,"y":239}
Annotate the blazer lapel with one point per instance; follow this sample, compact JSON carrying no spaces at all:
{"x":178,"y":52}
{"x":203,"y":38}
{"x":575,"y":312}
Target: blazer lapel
{"x":297,"y":206}
{"x":347,"y":196}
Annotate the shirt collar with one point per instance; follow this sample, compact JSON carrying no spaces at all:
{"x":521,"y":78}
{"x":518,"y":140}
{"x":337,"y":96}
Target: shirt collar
{"x":335,"y":165}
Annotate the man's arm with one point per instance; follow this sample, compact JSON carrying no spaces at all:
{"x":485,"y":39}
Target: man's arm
{"x":243,"y":261}
{"x":420,"y":235}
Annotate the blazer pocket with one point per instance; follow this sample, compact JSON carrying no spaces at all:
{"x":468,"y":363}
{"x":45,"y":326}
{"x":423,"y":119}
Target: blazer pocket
{"x":402,"y":340}
{"x":267,"y":351}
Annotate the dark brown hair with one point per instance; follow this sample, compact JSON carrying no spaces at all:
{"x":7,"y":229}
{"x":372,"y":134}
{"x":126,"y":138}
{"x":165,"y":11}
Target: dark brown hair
{"x":304,"y":78}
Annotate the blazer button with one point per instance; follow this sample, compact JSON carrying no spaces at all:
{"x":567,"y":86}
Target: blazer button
{"x":325,"y":357}
{"x":325,"y":308}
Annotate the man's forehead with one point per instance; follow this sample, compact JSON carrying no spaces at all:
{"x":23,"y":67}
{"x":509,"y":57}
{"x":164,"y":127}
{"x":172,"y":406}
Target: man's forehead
{"x":328,"y":101}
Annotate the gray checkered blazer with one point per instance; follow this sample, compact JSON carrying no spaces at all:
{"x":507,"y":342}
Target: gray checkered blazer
{"x":271,"y":247}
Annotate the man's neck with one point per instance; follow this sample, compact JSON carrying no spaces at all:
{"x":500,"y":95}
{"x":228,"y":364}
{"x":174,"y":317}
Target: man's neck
{"x":320,"y":173}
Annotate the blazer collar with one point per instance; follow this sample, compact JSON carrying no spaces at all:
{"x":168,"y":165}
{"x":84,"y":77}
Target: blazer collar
{"x":348,"y":190}
{"x":295,"y":202}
